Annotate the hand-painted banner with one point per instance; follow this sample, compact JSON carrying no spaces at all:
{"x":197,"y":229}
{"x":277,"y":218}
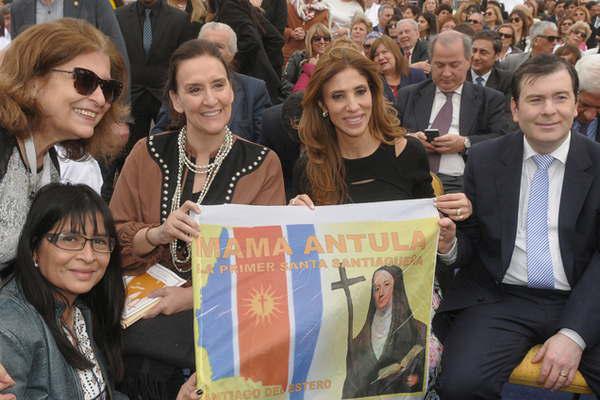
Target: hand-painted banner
{"x":332,"y":303}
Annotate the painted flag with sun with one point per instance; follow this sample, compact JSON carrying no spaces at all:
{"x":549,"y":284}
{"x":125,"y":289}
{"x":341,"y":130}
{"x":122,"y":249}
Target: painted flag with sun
{"x":289,"y":302}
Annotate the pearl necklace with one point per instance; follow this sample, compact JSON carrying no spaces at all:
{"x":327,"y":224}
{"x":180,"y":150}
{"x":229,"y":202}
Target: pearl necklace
{"x":209,"y":169}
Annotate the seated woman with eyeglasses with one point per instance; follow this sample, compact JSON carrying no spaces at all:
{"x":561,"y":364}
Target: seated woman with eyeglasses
{"x":507,"y":38}
{"x":577,"y":35}
{"x":60,"y":82}
{"x":393,"y":67}
{"x":318,"y":39}
{"x":520,"y":23}
{"x":61,"y":308}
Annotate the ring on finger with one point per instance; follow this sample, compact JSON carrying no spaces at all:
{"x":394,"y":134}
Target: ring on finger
{"x":564,"y":373}
{"x":458,"y":212}
{"x":293,"y":202}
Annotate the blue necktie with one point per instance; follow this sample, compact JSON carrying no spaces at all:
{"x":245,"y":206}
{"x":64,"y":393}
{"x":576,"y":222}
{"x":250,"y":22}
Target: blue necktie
{"x":147,"y":32}
{"x":479,"y":80}
{"x":539,"y":262}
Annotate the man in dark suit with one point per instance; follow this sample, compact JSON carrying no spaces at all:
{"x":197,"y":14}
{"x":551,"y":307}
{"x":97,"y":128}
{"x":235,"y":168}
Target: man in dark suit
{"x":528,"y":259}
{"x":413,"y":49}
{"x":152,"y":30}
{"x":250,"y":94}
{"x":99,"y":13}
{"x":486,"y":48}
{"x":464,"y":113}
{"x":588,"y":102}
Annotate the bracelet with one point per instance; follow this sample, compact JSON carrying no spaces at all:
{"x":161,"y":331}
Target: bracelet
{"x":148,"y":238}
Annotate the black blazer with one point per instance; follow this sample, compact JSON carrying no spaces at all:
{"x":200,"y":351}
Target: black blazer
{"x":482,"y":112}
{"x":259,"y":44}
{"x":99,"y":13}
{"x":486,"y":241}
{"x":499,"y":79}
{"x":420,"y":52}
{"x":170,"y":28}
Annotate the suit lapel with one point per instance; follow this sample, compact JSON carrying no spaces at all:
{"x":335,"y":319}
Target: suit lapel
{"x":508,"y":186}
{"x":576,"y":184}
{"x":469,"y":101}
{"x":423,"y":105}
{"x":493,"y":80}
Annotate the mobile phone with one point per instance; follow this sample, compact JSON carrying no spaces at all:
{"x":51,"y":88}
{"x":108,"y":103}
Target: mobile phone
{"x":431,"y":134}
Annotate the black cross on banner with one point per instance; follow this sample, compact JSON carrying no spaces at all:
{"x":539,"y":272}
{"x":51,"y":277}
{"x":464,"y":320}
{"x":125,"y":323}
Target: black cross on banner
{"x":345,"y":283}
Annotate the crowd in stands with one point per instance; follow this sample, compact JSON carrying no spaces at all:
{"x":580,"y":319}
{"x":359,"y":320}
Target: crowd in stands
{"x":120,"y":118}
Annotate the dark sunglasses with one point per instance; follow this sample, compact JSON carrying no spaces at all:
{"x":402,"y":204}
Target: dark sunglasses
{"x":86,"y":82}
{"x":580,"y":34}
{"x":550,"y":38}
{"x":515,"y":19}
{"x":326,"y":38}
{"x":367,"y":46}
{"x":473,"y":21}
{"x":505,"y":35}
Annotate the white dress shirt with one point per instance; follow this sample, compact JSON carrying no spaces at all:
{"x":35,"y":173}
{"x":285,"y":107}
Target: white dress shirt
{"x":485,"y":77}
{"x":450,"y":164}
{"x":516,"y":274}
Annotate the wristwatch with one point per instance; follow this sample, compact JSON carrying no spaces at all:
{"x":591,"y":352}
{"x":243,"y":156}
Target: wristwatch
{"x":467,"y":143}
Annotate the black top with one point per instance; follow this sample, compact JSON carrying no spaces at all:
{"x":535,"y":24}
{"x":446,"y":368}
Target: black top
{"x":382,"y":176}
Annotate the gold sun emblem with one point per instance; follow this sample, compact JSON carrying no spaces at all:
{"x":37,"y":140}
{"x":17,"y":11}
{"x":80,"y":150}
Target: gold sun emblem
{"x":263,"y":304}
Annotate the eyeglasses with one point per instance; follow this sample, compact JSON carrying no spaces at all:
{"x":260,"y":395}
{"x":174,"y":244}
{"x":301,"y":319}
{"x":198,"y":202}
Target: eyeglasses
{"x":76,"y":241}
{"x":505,"y":35}
{"x":516,"y":19}
{"x":489,"y":14}
{"x":568,"y":23}
{"x":318,"y":38}
{"x":473,"y":21}
{"x":550,"y":38}
{"x":86,"y":82}
{"x":580,"y":34}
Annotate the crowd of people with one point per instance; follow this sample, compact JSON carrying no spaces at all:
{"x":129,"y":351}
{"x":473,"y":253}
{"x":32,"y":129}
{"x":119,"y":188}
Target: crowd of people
{"x":120,"y":119}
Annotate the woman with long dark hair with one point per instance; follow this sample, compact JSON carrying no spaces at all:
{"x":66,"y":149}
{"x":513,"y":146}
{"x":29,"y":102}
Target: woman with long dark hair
{"x":61,"y":309}
{"x":521,"y":24}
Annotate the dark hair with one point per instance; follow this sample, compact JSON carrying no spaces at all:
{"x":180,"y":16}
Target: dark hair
{"x":444,"y":7}
{"x":415,"y":10}
{"x":542,"y":65}
{"x":432,"y":21}
{"x":524,"y":18}
{"x":187,"y":51}
{"x":490,"y":36}
{"x":52,"y":206}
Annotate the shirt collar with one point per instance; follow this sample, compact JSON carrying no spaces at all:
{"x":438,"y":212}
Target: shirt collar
{"x":485,"y":76}
{"x":560,"y":153}
{"x":457,"y":91}
{"x":141,"y":8}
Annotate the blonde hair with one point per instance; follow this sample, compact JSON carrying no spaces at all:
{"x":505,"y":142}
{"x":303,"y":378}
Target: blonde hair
{"x":33,"y":54}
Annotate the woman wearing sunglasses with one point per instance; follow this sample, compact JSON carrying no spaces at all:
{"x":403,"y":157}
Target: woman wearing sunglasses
{"x":493,"y":17}
{"x":60,"y":82}
{"x":577,"y":35}
{"x":317,"y":40}
{"x":507,"y":38}
{"x":164,"y":178}
{"x":520,"y":23}
{"x":61,"y":308}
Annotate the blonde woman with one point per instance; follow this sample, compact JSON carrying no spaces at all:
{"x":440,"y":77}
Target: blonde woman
{"x":317,"y":39}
